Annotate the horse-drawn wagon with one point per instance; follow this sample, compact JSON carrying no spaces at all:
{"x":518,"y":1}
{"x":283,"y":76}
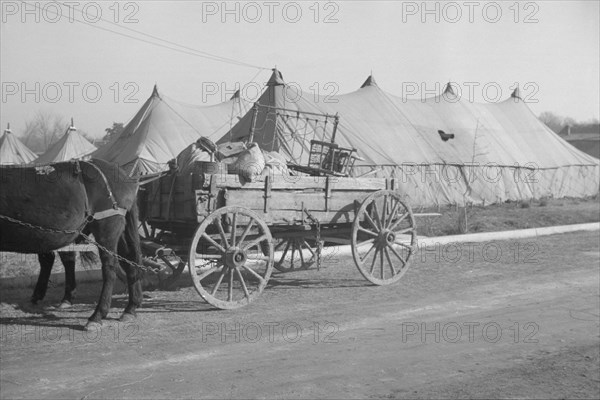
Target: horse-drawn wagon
{"x":232,"y":233}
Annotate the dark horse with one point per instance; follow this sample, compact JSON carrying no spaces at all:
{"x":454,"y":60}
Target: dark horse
{"x":47,"y":207}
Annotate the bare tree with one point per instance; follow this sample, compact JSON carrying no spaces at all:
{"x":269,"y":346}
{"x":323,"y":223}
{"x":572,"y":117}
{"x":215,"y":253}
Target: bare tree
{"x":552,"y":121}
{"x":43,"y":130}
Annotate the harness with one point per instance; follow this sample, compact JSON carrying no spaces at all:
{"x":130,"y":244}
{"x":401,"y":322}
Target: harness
{"x":90,"y":216}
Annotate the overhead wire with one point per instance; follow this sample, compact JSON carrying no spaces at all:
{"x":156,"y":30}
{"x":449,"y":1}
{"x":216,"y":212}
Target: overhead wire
{"x":182,"y":48}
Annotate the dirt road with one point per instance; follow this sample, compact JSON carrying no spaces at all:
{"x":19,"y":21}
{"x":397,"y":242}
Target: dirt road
{"x":513,"y":319}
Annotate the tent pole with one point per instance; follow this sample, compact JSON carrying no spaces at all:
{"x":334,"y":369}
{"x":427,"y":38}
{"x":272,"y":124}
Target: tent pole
{"x":253,"y":125}
{"x":335,"y":125}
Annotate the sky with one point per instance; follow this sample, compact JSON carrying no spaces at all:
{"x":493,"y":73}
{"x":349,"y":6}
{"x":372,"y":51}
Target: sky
{"x":85,"y":62}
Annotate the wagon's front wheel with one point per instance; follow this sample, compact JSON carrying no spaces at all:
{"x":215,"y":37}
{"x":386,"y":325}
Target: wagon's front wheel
{"x":231,"y":257}
{"x":384,"y":237}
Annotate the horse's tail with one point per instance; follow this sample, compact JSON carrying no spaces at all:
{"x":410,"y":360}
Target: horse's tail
{"x":89,"y":259}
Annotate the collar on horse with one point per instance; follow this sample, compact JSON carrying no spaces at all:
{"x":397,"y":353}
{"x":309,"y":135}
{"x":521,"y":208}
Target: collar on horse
{"x":115,"y":210}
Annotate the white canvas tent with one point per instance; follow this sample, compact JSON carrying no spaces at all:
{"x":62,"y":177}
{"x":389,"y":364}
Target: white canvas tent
{"x":163,"y":127}
{"x":13,"y":151}
{"x":500,"y":151}
{"x":71,"y":146}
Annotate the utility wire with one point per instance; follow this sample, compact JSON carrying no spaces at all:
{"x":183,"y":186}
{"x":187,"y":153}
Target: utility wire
{"x":182,"y":49}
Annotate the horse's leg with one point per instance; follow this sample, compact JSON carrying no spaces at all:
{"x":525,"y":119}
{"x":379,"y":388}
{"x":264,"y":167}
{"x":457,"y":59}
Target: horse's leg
{"x":129,"y":247}
{"x":46,"y":262}
{"x":107,"y":232}
{"x":68,"y":260}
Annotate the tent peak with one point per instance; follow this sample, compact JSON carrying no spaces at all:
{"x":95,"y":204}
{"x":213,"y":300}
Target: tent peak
{"x":7,"y":130}
{"x":71,"y":127}
{"x":516,"y":93}
{"x":155,"y":91}
{"x":369,"y":82}
{"x":449,"y":89}
{"x":276,"y":78}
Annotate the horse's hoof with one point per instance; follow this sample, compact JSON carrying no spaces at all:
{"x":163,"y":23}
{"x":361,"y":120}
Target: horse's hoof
{"x":127,"y":317}
{"x":92,"y":326}
{"x":65,"y":305}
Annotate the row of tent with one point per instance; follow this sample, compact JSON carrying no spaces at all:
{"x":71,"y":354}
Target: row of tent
{"x":71,"y":145}
{"x":498,"y":151}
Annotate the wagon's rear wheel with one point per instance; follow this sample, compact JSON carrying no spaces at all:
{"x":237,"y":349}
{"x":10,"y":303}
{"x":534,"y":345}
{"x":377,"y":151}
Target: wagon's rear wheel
{"x":383,"y":237}
{"x":231,"y":257}
{"x":294,"y":254}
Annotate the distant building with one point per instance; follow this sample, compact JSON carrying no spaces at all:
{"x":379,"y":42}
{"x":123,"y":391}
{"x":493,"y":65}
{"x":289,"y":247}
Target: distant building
{"x":585,"y":137}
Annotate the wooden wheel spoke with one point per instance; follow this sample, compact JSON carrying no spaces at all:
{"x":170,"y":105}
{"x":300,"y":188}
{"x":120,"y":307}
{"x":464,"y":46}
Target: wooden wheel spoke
{"x":253,"y":272}
{"x":218,"y":283}
{"x":365,"y":242}
{"x":377,"y":216}
{"x":241,"y":279}
{"x":300,"y":251}
{"x":404,"y":245}
{"x":367,"y":253}
{"x":406,"y":230}
{"x":374,"y":259}
{"x":211,"y":241}
{"x":233,"y":228}
{"x":260,"y":257}
{"x":395,"y":224}
{"x":222,"y":232}
{"x":309,"y":248}
{"x":287,"y":247}
{"x":230,"y":289}
{"x":397,"y":255}
{"x":254,"y":242}
{"x":368,"y":218}
{"x":392,"y":214}
{"x":389,"y":260}
{"x":209,"y":256}
{"x":368,"y":232}
{"x":294,"y":249}
{"x":246,"y":231}
{"x":381,"y":268}
{"x":384,"y":211}
{"x":204,"y":274}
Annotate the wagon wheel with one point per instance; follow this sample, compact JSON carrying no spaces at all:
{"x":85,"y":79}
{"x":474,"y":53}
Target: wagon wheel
{"x":383,"y":236}
{"x":226,"y":259}
{"x":296,"y":255}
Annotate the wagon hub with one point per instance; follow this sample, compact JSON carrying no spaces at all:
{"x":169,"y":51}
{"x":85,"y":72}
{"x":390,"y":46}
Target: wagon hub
{"x":387,"y":237}
{"x":235,"y":257}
